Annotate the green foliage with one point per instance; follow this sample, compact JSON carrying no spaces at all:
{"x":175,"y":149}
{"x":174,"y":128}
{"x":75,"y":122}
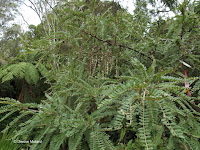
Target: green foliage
{"x":7,"y":9}
{"x":10,"y":45}
{"x":21,"y":70}
{"x":176,"y":39}
{"x":196,"y":89}
{"x":115,"y":80}
{"x":46,"y":125}
{"x":151,"y":97}
{"x":7,"y":143}
{"x":146,"y":101}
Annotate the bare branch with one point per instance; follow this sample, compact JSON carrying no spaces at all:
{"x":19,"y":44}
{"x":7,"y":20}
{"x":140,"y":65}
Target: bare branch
{"x":24,"y":19}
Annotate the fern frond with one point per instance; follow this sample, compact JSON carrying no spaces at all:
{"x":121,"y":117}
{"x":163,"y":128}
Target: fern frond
{"x":40,"y":136}
{"x":56,"y":141}
{"x":6,"y":143}
{"x":6,"y":109}
{"x":104,"y":103}
{"x":75,"y":140}
{"x":158,"y":75}
{"x":196,"y":88}
{"x":91,"y":140}
{"x":21,"y":70}
{"x":157,"y":132}
{"x":8,"y":114}
{"x":99,"y":140}
{"x":144,"y":131}
{"x":45,"y":141}
{"x":31,"y":74}
{"x":140,"y":67}
{"x":109,"y":145}
{"x":151,"y":69}
{"x":42,"y":69}
{"x":17,"y":119}
{"x":169,"y":122}
{"x":121,"y":89}
{"x":192,"y":143}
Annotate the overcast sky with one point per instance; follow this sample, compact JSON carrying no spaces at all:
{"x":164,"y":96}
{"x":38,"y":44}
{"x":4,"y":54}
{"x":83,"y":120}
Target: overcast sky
{"x":31,"y":17}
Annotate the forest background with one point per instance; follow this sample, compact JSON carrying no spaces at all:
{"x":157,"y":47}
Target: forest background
{"x":93,"y":76}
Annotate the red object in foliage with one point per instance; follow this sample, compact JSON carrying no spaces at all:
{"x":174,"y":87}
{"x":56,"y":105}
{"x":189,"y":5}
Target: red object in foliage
{"x":187,"y":86}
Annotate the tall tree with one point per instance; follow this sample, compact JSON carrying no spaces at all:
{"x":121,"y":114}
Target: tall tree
{"x":10,"y":44}
{"x":7,"y":11}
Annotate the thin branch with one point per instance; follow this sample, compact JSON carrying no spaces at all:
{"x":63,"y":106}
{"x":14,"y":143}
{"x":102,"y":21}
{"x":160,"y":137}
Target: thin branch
{"x":24,"y":19}
{"x":51,"y":7}
{"x":37,"y":12}
{"x":34,"y":9}
{"x":162,"y":11}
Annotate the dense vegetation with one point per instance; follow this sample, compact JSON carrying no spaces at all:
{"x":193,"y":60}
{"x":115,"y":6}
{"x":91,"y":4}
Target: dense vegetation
{"x":92,"y":76}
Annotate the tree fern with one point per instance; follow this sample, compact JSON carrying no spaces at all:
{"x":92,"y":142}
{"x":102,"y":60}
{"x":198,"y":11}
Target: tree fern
{"x":21,"y":70}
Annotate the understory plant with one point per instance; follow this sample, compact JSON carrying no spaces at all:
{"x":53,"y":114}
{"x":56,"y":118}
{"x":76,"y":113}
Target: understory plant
{"x":142,"y":110}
